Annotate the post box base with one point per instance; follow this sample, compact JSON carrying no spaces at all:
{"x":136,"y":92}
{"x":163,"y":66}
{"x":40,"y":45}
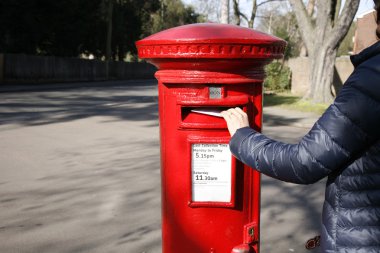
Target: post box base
{"x":242,"y":248}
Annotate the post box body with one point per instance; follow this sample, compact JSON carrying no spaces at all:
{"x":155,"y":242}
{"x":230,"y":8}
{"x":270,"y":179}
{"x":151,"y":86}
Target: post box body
{"x":212,"y":221}
{"x":210,"y":200}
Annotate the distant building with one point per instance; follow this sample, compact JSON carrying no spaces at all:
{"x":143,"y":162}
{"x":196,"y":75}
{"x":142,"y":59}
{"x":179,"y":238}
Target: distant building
{"x":365,"y":32}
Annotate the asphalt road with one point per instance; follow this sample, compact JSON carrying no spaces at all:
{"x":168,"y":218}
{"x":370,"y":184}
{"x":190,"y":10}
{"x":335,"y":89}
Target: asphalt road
{"x":79,"y":172}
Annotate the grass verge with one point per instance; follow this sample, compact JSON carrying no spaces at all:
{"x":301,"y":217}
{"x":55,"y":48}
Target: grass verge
{"x":289,"y":101}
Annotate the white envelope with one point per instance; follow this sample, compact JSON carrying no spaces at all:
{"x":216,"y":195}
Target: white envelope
{"x":213,"y":112}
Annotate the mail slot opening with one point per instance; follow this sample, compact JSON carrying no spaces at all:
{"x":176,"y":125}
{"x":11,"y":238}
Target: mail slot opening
{"x":203,"y":116}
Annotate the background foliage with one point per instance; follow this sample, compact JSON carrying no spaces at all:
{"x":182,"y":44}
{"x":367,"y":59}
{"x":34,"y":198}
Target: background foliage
{"x":75,"y":27}
{"x":278,"y":77}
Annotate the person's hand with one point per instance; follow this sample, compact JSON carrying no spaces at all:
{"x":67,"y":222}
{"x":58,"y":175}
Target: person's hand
{"x":236,"y":118}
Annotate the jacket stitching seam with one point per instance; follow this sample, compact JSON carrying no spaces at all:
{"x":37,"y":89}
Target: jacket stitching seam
{"x":328,"y":202}
{"x":337,"y":210}
{"x":359,"y":246}
{"x":345,"y":151}
{"x":295,"y":171}
{"x":369,"y":207}
{"x":371,"y":98}
{"x":299,"y":178}
{"x":362,"y":174}
{"x":365,"y":93}
{"x":361,"y":190}
{"x":273,"y":163}
{"x":330,"y":232}
{"x":241,"y":144}
{"x":351,"y":122}
{"x":364,"y":226}
{"x":317,"y":161}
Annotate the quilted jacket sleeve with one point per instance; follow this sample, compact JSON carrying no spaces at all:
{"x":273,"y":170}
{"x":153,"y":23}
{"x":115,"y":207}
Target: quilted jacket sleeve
{"x":347,"y":128}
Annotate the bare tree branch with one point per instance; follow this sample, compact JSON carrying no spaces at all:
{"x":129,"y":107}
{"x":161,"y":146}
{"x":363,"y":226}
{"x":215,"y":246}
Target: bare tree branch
{"x":337,"y":9}
{"x":268,"y":1}
{"x":253,"y":14}
{"x":225,"y":9}
{"x":304,"y":21}
{"x":310,"y":7}
{"x":344,"y":21}
{"x":236,"y":12}
{"x":255,"y":6}
{"x":324,"y":18}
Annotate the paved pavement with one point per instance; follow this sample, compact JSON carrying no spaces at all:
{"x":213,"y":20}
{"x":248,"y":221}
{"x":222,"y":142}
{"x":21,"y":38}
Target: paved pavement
{"x":290,"y":214}
{"x":79,"y":172}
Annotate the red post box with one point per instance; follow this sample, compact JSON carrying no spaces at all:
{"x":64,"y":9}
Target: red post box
{"x":210,"y":201}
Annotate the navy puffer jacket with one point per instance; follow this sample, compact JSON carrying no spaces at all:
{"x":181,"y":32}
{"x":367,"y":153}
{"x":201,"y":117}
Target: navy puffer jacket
{"x":344,"y":145}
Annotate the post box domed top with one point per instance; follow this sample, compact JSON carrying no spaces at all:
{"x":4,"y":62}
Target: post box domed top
{"x":210,"y":41}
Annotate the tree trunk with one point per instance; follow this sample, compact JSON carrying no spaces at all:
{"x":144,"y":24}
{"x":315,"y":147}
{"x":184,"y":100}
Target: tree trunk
{"x":225,"y":11}
{"x":109,"y":35}
{"x":310,"y":11}
{"x":322,"y":38}
{"x":322,"y":64}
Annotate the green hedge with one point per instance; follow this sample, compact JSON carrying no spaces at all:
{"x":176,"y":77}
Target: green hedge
{"x":278,"y":77}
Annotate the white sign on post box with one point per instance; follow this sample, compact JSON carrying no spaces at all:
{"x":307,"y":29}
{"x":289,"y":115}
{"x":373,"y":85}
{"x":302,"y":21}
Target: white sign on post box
{"x":211,"y":172}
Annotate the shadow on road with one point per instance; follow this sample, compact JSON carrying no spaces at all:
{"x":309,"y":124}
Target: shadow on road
{"x":291,"y":214}
{"x":129,"y":102}
{"x":278,"y":120}
{"x":90,"y":185}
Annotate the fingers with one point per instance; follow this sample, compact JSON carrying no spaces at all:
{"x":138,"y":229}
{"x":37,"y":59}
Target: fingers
{"x":238,"y":114}
{"x":236,"y":118}
{"x":226,"y":115}
{"x":238,"y":109}
{"x":235,"y":113}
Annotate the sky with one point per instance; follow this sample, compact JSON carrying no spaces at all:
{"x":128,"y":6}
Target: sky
{"x":365,"y":5}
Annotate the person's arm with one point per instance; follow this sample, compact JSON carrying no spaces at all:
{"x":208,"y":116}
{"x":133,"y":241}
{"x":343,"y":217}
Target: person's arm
{"x":345,"y":130}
